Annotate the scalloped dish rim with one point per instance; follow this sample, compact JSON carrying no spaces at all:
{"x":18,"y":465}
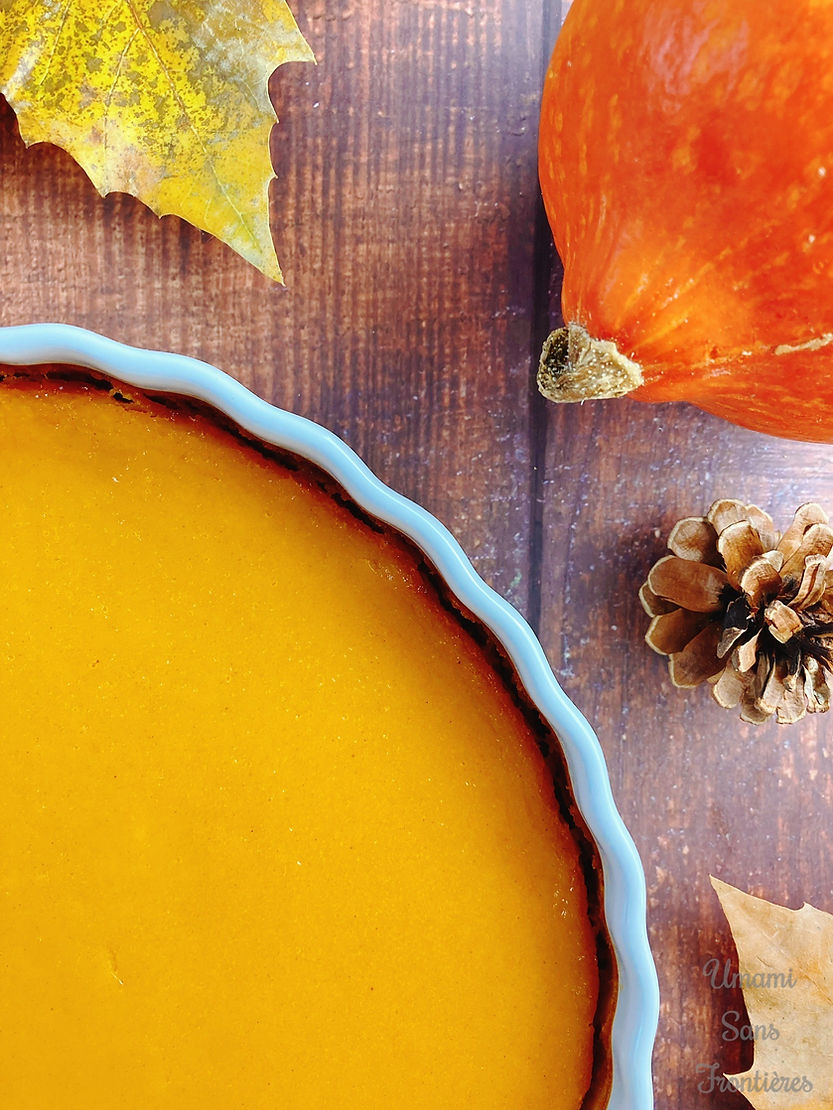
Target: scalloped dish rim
{"x":637,"y":1002}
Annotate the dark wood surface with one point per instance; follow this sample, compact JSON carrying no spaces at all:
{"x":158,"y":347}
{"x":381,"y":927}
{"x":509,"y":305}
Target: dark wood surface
{"x":420,"y":283}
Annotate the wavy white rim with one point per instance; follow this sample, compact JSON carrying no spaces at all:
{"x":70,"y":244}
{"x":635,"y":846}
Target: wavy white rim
{"x":637,"y":1007}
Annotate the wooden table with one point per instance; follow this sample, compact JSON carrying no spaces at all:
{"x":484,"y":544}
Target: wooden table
{"x":420,"y":283}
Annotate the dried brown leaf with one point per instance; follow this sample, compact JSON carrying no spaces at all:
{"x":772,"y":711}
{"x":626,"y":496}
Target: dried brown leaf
{"x":785,"y":959}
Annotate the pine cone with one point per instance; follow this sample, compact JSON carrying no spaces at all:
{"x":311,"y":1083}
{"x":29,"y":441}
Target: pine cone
{"x":747,"y":609}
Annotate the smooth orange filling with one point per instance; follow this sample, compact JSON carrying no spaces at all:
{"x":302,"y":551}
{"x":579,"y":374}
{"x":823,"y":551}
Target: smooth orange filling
{"x":274,"y":834}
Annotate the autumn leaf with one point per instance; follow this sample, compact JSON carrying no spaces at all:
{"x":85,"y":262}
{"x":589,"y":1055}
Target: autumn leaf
{"x":164,"y":99}
{"x":786,"y":970}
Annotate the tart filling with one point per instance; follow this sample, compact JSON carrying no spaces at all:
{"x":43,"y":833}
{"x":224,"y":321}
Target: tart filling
{"x":276,"y":832}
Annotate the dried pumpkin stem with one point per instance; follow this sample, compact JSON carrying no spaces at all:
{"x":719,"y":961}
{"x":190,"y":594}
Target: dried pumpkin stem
{"x":576,"y":367}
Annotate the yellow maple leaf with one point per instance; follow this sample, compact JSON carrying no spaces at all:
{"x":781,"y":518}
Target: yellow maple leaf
{"x":164,"y":99}
{"x":785,"y":960}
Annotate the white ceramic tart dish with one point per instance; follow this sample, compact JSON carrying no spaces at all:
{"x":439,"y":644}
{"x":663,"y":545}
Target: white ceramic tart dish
{"x":415,"y":592}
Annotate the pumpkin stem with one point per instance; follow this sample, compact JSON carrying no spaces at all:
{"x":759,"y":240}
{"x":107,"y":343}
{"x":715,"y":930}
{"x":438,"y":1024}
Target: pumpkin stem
{"x":576,"y":367}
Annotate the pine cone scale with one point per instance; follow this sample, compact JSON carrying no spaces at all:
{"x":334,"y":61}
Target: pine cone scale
{"x":782,"y":621}
{"x":817,"y":540}
{"x":669,"y":633}
{"x":698,"y":661}
{"x":760,"y":580}
{"x":695,"y":538}
{"x":805,"y":516}
{"x":739,"y":545}
{"x":697,"y":587}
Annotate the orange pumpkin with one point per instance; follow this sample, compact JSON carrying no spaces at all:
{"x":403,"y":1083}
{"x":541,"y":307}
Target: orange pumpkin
{"x":686,"y":163}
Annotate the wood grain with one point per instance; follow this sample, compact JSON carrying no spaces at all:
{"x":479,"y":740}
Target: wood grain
{"x":420,"y":282}
{"x":701,"y":792}
{"x":404,"y":211}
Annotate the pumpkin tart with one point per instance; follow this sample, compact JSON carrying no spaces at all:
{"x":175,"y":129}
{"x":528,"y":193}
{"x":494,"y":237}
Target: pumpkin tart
{"x":277,"y":829}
